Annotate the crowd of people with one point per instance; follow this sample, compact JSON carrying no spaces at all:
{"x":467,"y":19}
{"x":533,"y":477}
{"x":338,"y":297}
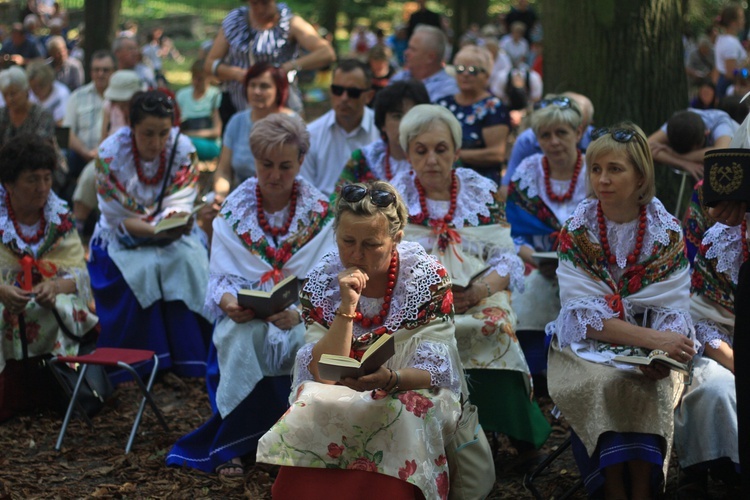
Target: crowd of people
{"x":502,"y":240}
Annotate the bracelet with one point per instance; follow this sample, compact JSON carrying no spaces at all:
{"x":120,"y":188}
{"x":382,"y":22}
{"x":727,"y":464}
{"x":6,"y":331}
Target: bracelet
{"x":390,"y":378}
{"x":398,"y":382}
{"x":487,"y":285}
{"x":345,"y":315}
{"x":215,"y":66}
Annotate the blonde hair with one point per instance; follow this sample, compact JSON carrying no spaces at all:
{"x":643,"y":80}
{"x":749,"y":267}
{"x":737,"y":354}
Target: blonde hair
{"x":636,"y":150}
{"x":422,"y":118}
{"x":396,"y":214}
{"x":478,"y":54}
{"x":554,"y":113}
{"x":276,"y":131}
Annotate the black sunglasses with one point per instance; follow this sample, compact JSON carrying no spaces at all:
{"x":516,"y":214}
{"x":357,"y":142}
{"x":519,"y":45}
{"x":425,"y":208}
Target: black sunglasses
{"x":560,"y":102}
{"x":472,"y":70}
{"x":380,"y":198}
{"x":153,"y":103}
{"x":353,"y":92}
{"x":623,"y":135}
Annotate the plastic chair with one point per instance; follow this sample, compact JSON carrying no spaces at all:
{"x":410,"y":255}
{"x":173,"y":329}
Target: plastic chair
{"x":122,"y":358}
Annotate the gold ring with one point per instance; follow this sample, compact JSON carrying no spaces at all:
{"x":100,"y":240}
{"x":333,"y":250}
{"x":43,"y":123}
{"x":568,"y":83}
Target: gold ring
{"x":683,"y":354}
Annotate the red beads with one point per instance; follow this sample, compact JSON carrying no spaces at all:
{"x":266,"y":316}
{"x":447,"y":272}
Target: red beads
{"x":149,"y":181}
{"x":379,"y":318}
{"x":276,"y":231}
{"x":632,"y":258}
{"x":423,"y":199}
{"x":573,"y":181}
{"x":745,"y":253}
{"x":12,"y":215}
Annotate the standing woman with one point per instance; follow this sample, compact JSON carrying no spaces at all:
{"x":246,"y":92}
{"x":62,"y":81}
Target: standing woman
{"x":484,"y":119}
{"x":728,"y":51}
{"x":263,"y":32}
{"x":625,"y":290}
{"x":149,"y":288}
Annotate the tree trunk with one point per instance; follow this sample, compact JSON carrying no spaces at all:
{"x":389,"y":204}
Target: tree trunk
{"x":626,"y":57}
{"x":100,"y":18}
{"x":328,"y":12}
{"x":466,"y":12}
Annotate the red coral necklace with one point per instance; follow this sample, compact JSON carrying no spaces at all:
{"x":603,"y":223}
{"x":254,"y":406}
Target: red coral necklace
{"x":380,"y":317}
{"x":423,"y":199}
{"x":573,"y":180}
{"x":632,"y":258}
{"x":263,"y":222}
{"x":39,"y":232}
{"x":149,"y":181}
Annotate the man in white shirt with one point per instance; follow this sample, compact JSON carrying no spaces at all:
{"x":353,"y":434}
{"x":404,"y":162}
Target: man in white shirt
{"x":345,"y":128}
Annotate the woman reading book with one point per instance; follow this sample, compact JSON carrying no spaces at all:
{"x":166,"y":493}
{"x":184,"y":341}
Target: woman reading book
{"x":454,"y":215}
{"x":624,"y":286}
{"x":273,"y":226}
{"x":384,"y":431}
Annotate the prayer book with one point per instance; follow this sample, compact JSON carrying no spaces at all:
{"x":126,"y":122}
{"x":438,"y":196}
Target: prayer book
{"x":176,"y":220}
{"x":265,"y":304}
{"x":655,"y":357}
{"x":334,"y":367}
{"x":461,"y":286}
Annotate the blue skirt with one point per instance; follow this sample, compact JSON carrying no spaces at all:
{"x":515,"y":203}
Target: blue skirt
{"x":615,"y":448}
{"x":176,"y":334}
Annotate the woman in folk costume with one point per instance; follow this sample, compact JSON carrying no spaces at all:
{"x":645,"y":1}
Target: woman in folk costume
{"x":381,"y":435}
{"x":42,"y":268}
{"x":149,"y":287}
{"x":454,"y":215}
{"x":624,"y":285}
{"x":271,"y":227}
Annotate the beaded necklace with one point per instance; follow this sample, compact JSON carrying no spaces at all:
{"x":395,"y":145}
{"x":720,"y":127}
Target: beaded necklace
{"x":573,"y":181}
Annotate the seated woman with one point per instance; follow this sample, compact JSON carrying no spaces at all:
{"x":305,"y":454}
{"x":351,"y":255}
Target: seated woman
{"x":706,"y":420}
{"x":41,"y":264}
{"x":484,"y":118}
{"x":696,"y":222}
{"x":271,"y":227}
{"x":267,"y":90}
{"x":20,"y":115}
{"x":148,"y":286}
{"x":384,"y":158}
{"x":335,"y":435}
{"x":199,"y":104}
{"x":454,"y":215}
{"x":624,"y":286}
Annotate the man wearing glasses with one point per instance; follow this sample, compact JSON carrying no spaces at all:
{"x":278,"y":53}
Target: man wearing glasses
{"x":345,"y":128}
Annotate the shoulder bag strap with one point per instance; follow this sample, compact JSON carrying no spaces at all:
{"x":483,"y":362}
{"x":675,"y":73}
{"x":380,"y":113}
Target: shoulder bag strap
{"x":168,"y":173}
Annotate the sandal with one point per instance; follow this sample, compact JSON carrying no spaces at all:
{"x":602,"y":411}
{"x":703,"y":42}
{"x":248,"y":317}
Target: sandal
{"x":231,"y":469}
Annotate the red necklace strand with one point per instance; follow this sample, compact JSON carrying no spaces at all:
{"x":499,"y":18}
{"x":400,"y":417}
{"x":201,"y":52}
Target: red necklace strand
{"x":745,"y":253}
{"x":380,"y":317}
{"x":388,"y":175}
{"x":423,"y":199}
{"x":39,"y":232}
{"x":573,"y":180}
{"x":149,"y":181}
{"x":276,"y":231}
{"x":632,"y":258}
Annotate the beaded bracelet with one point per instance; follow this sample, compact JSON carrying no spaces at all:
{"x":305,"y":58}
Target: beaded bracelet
{"x":487,"y":285}
{"x":345,"y":315}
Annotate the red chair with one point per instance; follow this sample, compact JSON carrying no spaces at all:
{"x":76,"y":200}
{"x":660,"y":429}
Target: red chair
{"x":122,"y":358}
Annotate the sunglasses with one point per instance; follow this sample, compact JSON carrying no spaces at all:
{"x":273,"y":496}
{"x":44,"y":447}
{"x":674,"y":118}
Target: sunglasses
{"x":560,"y":102}
{"x":353,"y":92}
{"x":380,"y":198}
{"x":472,"y":70}
{"x":623,"y":135}
{"x":154,"y":103}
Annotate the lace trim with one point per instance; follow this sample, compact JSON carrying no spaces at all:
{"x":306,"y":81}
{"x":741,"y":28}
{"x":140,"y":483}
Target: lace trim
{"x":709,"y":332}
{"x":575,"y":318}
{"x":622,"y":237}
{"x":240,"y":208}
{"x":53,"y":210}
{"x":218,"y":285}
{"x":375,"y":156}
{"x":529,"y":176}
{"x":509,"y":264}
{"x":302,"y":364}
{"x":435,"y":359}
{"x":417,"y":272}
{"x":725,"y":245}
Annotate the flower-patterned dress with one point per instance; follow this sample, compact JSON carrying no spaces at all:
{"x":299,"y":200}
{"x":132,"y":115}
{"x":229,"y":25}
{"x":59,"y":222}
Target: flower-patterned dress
{"x":615,"y":412}
{"x":368,"y":164}
{"x":149,"y":295}
{"x":696,"y":221}
{"x":706,"y":420}
{"x":59,"y":254}
{"x":402,"y":434}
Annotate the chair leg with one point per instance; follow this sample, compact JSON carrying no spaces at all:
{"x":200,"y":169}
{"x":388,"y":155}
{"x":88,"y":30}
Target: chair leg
{"x":71,"y":405}
{"x":528,"y":480}
{"x":69,"y":393}
{"x":146,"y":391}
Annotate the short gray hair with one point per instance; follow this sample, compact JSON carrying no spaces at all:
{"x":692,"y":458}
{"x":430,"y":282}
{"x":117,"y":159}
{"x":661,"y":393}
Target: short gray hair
{"x":396,"y":214}
{"x":422,"y":118}
{"x":437,"y":39}
{"x":55,"y":41}
{"x":41,"y":72}
{"x":13,"y":77}
{"x":552,"y":114}
{"x":117,"y":43}
{"x":276,"y":131}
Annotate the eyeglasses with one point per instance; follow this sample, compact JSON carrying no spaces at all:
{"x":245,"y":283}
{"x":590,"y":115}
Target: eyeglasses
{"x":380,"y":198}
{"x":560,"y":102}
{"x":472,"y":70}
{"x":353,"y":92}
{"x":153,"y":103}
{"x":107,"y":69}
{"x":623,"y":135}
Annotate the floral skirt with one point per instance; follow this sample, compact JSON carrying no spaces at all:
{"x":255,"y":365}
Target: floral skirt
{"x":402,"y":435}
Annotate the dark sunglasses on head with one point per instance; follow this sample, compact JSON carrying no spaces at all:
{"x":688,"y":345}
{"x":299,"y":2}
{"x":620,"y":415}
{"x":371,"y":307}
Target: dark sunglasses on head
{"x":560,"y":102}
{"x":152,"y":103}
{"x":619,"y":134}
{"x":380,"y":198}
{"x":472,"y":70}
{"x":353,"y":92}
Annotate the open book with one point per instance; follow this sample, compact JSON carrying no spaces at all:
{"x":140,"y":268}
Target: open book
{"x":459,"y":286}
{"x":266,"y":304}
{"x":334,"y":367}
{"x":176,"y":221}
{"x":654,"y":357}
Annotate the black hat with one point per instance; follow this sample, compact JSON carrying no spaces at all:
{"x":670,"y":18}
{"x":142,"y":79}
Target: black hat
{"x":726,"y":176}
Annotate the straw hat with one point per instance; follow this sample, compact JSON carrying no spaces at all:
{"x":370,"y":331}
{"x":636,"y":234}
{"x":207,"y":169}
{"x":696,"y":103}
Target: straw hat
{"x":122,"y":85}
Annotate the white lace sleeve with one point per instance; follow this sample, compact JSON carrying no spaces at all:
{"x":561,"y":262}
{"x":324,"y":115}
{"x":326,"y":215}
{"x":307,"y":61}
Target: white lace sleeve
{"x":435,"y":359}
{"x":509,"y":264}
{"x":711,"y":333}
{"x":218,"y":285}
{"x":576,"y":316}
{"x":670,"y":320}
{"x":302,"y":362}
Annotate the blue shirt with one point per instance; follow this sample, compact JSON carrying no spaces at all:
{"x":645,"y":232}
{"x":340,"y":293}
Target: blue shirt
{"x":439,"y":85}
{"x":237,"y":138}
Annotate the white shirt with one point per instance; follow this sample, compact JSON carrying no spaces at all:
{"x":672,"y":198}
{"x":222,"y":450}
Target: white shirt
{"x":84,"y":115}
{"x":728,"y":47}
{"x":497,"y":87}
{"x":516,"y":50}
{"x":331,"y":147}
{"x":56,"y":101}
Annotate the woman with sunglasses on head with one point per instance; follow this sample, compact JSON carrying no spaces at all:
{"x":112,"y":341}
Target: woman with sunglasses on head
{"x":271,"y":227}
{"x":454,"y":215}
{"x":267,"y":91}
{"x":334,"y":435}
{"x":484,"y":119}
{"x":384,"y":158}
{"x":149,"y":286}
{"x":624,"y":286}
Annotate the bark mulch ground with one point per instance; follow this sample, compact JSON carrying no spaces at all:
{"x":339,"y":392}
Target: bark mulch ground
{"x":92,"y":463}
